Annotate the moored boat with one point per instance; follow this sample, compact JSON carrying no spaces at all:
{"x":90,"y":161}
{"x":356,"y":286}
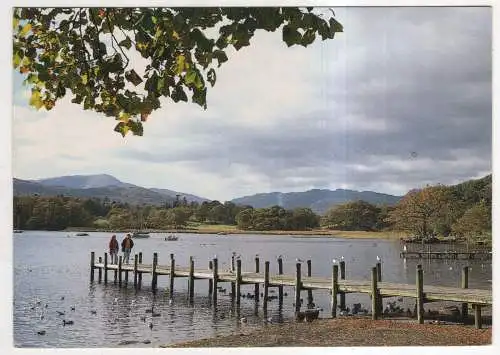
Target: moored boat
{"x":140,"y":235}
{"x":81,"y":234}
{"x":171,"y":238}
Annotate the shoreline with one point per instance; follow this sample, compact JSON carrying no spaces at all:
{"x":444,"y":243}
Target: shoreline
{"x":342,"y":332}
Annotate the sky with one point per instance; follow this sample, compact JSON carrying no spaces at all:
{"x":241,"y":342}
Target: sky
{"x":400,"y":100}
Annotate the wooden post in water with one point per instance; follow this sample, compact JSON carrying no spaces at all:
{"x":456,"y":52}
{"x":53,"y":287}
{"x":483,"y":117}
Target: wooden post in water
{"x":115,"y":273}
{"x":298,"y":285}
{"x":309,"y":292}
{"x":374,"y":294}
{"x":215,"y":278}
{"x":280,"y":272}
{"x":139,"y":277}
{"x":238,"y":281}
{"x":266,"y":286}
{"x":92,"y":263}
{"x":120,"y":261}
{"x":420,"y":294}
{"x":465,"y":284}
{"x":378,"y":265}
{"x":478,"y":322}
{"x":191,"y":279}
{"x":342,"y":277}
{"x":154,"y":276}
{"x":335,"y":287}
{"x":172,"y":275}
{"x":256,"y":287}
{"x":210,"y":281}
{"x":233,"y":269}
{"x":100,"y":270}
{"x":136,"y":262}
{"x":105,"y":268}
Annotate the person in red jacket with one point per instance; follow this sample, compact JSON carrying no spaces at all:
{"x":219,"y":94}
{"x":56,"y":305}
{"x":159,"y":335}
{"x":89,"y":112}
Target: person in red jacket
{"x":113,"y":249}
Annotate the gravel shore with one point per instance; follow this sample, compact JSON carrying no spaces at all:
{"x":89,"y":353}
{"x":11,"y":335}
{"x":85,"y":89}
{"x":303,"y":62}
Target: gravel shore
{"x":349,"y":332}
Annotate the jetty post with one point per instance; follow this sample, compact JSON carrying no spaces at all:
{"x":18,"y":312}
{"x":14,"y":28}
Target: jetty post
{"x":256,"y":287}
{"x":478,"y":322}
{"x":191,"y":279}
{"x":120,"y":261}
{"x":309,"y":292}
{"x":335,"y":286}
{"x":280,"y":272}
{"x":100,"y":270}
{"x":378,"y":265}
{"x":136,"y":261}
{"x":233,"y":269}
{"x":115,"y":273}
{"x":420,"y":294}
{"x":298,"y":285}
{"x":342,"y":277}
{"x":215,"y":277}
{"x":238,"y":280}
{"x":210,"y":281}
{"x":92,"y":263}
{"x":105,"y":268}
{"x":266,"y":286}
{"x":374,"y":293}
{"x":154,"y":276}
{"x":126,"y":274}
{"x":172,"y":275}
{"x":139,"y":277}
{"x":465,"y":284}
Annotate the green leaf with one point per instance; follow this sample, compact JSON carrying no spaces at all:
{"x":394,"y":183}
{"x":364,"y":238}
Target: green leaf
{"x":211,"y":77}
{"x":84,"y":79}
{"x":127,"y":43}
{"x":135,"y":127}
{"x":290,"y":35}
{"x":220,"y":56}
{"x":16,"y":60}
{"x":178,"y":94}
{"x":36,"y":99}
{"x":122,"y":128}
{"x":308,"y":37}
{"x":190,"y":77}
{"x":180,"y":64}
{"x":133,"y":77}
{"x":15,"y":22}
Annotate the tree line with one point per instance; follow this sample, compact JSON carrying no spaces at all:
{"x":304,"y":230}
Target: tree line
{"x":462,"y":210}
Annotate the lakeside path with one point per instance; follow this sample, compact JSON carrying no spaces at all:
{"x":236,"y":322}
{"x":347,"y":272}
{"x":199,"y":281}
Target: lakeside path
{"x":347,"y":332}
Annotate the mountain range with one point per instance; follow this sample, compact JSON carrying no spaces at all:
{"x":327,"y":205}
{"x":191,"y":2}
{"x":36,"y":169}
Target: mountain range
{"x":103,"y":185}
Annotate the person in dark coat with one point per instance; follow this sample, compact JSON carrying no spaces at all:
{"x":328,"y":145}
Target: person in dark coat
{"x":127,"y":245}
{"x":113,"y":249}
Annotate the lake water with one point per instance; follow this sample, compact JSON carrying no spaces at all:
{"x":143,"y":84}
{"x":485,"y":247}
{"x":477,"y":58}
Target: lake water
{"x":50,"y":265}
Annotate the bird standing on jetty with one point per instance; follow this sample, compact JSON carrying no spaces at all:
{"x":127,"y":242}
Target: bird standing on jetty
{"x":378,"y":258}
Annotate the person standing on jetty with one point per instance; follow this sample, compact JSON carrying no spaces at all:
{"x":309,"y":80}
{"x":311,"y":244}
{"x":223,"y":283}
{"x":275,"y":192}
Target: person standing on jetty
{"x":113,"y":249}
{"x":127,"y":245}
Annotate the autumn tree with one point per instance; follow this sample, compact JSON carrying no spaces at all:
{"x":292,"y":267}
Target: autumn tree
{"x":475,"y":222}
{"x":87,"y":53}
{"x":422,"y":211}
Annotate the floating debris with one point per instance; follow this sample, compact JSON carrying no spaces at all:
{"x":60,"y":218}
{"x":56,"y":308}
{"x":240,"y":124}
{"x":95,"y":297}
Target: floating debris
{"x":41,"y":332}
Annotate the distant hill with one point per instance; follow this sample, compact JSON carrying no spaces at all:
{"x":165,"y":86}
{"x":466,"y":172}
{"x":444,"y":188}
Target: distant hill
{"x":99,"y":186}
{"x":319,"y":200}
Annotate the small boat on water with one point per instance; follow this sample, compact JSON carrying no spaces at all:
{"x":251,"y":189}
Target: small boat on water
{"x":140,"y":235}
{"x":222,"y":233}
{"x":171,"y":238}
{"x":18,"y":231}
{"x":81,"y":234}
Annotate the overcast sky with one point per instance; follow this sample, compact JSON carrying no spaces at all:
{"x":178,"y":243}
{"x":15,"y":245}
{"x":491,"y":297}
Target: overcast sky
{"x":401,"y":99}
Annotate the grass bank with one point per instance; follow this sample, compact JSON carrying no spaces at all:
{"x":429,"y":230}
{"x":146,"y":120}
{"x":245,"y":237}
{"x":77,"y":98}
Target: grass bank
{"x":348,"y":332}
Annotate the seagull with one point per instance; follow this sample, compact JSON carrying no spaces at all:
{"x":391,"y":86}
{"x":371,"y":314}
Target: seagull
{"x":378,"y":258}
{"x":243,"y":320}
{"x":342,"y":258}
{"x":334,"y":261}
{"x":170,"y":301}
{"x":451,"y":268}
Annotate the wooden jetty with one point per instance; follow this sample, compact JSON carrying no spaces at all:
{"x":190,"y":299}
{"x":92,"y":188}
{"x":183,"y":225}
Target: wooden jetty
{"x":338,"y":286}
{"x":468,"y":255}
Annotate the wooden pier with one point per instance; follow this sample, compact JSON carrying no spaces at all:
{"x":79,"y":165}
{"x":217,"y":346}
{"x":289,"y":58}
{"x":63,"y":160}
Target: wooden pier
{"x":466,"y":255}
{"x":338,"y":286}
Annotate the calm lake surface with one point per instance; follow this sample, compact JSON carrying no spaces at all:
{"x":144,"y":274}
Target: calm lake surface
{"x":50,"y":265}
